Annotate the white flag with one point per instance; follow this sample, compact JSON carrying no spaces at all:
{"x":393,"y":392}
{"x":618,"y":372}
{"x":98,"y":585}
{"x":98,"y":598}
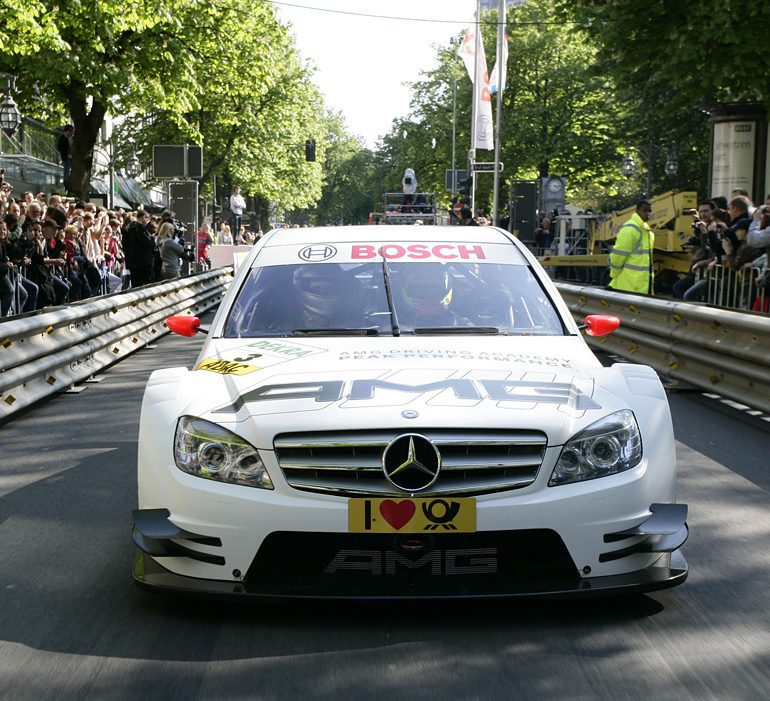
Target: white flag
{"x":467,"y":51}
{"x":501,"y":67}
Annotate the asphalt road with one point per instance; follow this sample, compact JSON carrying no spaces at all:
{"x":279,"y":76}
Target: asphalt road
{"x":73,"y":626}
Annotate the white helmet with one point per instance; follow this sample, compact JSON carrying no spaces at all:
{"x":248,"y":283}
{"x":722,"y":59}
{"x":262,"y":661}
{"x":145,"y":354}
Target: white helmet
{"x":321,"y":288}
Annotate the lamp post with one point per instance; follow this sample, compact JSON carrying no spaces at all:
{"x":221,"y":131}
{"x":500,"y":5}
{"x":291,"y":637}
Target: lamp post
{"x":649,"y":152}
{"x":10,"y":116}
{"x":133,"y":166}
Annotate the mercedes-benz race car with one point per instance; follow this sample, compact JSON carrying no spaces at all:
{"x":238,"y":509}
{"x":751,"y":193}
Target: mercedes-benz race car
{"x":403,"y":412}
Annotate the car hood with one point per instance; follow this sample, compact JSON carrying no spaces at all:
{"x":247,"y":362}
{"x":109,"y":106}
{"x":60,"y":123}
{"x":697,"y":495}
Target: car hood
{"x":263,"y":387}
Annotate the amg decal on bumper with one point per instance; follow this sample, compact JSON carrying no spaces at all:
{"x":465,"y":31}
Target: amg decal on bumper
{"x":436,"y":562}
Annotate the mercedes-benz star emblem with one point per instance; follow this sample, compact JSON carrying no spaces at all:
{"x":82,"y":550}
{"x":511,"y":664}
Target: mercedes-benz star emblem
{"x":411,"y":462}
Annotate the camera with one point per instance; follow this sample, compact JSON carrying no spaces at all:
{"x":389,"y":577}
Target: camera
{"x":408,"y":181}
{"x":189,"y":253}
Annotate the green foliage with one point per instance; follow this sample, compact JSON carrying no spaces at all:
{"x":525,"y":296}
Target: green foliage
{"x":348,"y":194}
{"x":27,"y":27}
{"x":564,"y":113}
{"x":675,"y":56}
{"x":224,"y":74}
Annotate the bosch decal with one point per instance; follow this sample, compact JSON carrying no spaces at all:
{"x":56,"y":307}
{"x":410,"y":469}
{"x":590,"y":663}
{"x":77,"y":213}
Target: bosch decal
{"x":419,"y":251}
{"x":317,"y":253}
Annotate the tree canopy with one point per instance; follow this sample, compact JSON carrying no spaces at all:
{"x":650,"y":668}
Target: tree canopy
{"x":224,"y":74}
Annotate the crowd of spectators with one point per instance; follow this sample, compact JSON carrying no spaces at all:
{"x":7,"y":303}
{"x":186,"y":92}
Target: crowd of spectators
{"x":729,"y":253}
{"x":55,"y":250}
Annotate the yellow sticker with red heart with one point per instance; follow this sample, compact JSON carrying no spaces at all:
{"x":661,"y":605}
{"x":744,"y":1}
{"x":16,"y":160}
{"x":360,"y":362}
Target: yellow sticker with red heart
{"x":412,"y":515}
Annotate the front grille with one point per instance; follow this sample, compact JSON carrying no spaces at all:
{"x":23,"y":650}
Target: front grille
{"x":350,"y":463}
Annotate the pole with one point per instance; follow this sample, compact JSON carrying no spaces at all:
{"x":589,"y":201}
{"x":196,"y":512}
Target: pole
{"x":454,"y":137}
{"x":111,"y":164}
{"x":649,"y":157}
{"x":474,"y":111}
{"x":214,"y":209}
{"x":499,"y":108}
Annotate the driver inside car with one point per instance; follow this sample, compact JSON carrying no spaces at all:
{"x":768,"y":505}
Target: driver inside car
{"x":326,"y":297}
{"x":424,"y":295}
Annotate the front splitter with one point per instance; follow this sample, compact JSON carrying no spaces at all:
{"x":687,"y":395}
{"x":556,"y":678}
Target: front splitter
{"x":149,"y":575}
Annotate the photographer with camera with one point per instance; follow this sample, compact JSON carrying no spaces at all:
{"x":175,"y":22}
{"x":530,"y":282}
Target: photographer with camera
{"x":697,"y":246}
{"x":409,"y":186}
{"x":172,"y":251}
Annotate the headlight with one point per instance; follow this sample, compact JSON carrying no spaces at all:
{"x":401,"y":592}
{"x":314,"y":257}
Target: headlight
{"x":607,"y":447}
{"x":206,"y":450}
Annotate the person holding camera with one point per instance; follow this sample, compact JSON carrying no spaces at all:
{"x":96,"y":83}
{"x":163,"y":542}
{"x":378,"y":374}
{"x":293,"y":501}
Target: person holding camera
{"x":171,"y":252}
{"x":706,"y":267}
{"x":698,"y":247}
{"x":409,"y":187}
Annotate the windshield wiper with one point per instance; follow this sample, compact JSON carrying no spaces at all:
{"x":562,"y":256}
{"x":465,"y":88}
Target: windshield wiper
{"x":368,"y":331}
{"x":389,"y":295}
{"x":449,"y":330}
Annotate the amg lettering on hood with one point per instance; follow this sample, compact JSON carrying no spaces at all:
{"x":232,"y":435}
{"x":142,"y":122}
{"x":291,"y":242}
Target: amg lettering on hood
{"x":360,"y":390}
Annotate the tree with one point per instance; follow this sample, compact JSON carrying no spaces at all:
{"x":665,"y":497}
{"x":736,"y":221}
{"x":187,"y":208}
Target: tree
{"x":676,"y":56}
{"x":349,"y":189}
{"x":225,"y":69}
{"x":253,"y":117}
{"x":28,"y":27}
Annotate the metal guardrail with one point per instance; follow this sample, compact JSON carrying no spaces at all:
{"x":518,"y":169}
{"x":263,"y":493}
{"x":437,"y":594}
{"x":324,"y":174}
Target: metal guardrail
{"x":716,"y":350}
{"x":47,"y":353}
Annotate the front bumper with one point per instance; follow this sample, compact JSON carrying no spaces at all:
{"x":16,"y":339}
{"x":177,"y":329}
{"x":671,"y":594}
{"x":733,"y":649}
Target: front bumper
{"x":484,"y":564}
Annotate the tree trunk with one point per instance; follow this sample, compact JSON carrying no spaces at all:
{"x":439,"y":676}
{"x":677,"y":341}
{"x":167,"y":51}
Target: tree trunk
{"x":87,"y":125}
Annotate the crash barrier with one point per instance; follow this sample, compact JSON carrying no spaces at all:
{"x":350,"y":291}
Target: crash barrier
{"x":716,"y":350}
{"x":49,"y":352}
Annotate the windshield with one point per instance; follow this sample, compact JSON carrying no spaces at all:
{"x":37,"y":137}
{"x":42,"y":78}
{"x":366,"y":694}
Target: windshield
{"x":404,"y":298}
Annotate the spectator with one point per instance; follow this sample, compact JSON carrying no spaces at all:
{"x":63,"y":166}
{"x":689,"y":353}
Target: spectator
{"x":409,"y":187}
{"x":714,"y":233}
{"x":34,"y":215}
{"x":225,"y":236}
{"x":170,"y":252}
{"x":76,"y":265}
{"x":698,"y":248}
{"x":204,"y":245}
{"x":631,"y":257}
{"x":139,"y":250}
{"x":51,"y":290}
{"x":11,"y":291}
{"x":237,"y":206}
{"x":466,"y":217}
{"x":64,"y":145}
{"x":759,"y":237}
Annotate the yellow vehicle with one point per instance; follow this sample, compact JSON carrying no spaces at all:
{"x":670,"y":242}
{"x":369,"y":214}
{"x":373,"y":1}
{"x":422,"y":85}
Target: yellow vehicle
{"x":584,"y":240}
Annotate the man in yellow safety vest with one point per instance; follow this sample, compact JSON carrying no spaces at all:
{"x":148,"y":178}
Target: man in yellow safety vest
{"x":631,"y":257}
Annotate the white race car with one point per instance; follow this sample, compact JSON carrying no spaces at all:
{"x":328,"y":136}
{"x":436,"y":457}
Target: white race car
{"x":389,"y":412}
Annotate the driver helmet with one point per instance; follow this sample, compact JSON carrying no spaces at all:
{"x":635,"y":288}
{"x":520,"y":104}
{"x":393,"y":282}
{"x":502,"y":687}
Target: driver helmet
{"x":320,"y":288}
{"x":426,"y":289}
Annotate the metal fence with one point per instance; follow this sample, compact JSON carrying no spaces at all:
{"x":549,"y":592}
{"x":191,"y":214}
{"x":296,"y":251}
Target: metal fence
{"x":46,"y":353}
{"x":716,"y":350}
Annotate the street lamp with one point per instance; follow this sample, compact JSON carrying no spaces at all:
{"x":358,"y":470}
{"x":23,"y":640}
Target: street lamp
{"x":10,"y":116}
{"x":649,"y":152}
{"x":133,"y":166}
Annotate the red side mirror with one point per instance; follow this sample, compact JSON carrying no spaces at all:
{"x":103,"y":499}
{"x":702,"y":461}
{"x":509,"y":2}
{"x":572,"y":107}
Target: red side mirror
{"x":600,"y":324}
{"x":184,"y":325}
